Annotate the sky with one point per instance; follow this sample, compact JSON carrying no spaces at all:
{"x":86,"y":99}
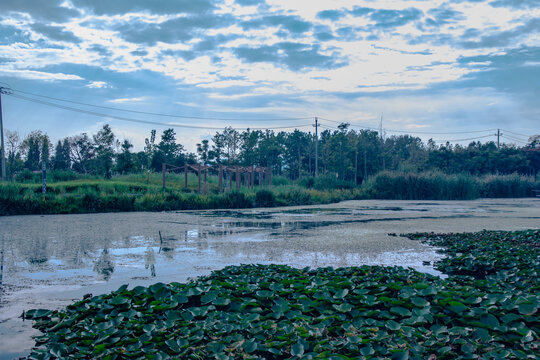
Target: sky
{"x":447,"y":70}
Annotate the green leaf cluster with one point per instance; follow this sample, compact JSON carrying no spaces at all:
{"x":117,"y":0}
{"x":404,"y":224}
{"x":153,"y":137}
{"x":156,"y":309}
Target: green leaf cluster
{"x":279,"y":312}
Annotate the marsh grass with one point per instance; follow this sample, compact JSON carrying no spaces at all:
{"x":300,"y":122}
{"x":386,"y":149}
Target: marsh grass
{"x":440,"y":186}
{"x":144,"y":192}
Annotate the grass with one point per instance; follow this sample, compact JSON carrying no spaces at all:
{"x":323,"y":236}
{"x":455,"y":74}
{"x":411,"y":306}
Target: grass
{"x":485,"y":309}
{"x":440,"y":186}
{"x":143,"y":192}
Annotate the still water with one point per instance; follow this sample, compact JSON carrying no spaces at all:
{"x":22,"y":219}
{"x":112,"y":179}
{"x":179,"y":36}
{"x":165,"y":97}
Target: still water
{"x":50,"y":261}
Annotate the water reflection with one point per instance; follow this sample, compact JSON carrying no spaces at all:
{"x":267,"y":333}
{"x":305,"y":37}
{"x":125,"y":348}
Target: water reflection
{"x":127,"y":246}
{"x":104,"y":265}
{"x":50,"y":260}
{"x":150,"y":261}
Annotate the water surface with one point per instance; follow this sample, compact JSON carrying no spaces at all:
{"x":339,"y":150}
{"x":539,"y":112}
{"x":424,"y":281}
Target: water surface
{"x":50,"y":261}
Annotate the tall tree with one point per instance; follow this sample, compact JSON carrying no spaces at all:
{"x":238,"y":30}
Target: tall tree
{"x":61,"y":159}
{"x":168,"y":151}
{"x":249,"y":147}
{"x":125,"y":163}
{"x":232,"y":143}
{"x":36,"y":147}
{"x":14,"y":161}
{"x":202,"y":150}
{"x":218,"y":148}
{"x":82,"y":152}
{"x":104,"y":142}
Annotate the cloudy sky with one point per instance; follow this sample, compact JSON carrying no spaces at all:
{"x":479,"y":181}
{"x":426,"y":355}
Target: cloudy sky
{"x":447,"y":70}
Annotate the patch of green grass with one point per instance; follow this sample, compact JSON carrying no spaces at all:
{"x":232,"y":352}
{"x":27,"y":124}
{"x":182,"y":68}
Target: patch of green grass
{"x":278,"y":312}
{"x":144,"y":192}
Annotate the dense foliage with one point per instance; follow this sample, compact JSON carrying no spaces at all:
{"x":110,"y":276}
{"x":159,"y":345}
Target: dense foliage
{"x":486,"y":309}
{"x":344,"y":154}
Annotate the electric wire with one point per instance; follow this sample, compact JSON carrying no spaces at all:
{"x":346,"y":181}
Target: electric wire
{"x":457,"y":140}
{"x":93,"y":113}
{"x":515,"y":133}
{"x":515,"y":136}
{"x":407,"y":131}
{"x":439,"y":141}
{"x":13,"y":92}
{"x":515,"y":139}
{"x":157,"y":114}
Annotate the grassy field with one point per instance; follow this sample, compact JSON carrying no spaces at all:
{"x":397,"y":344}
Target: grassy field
{"x":487,"y":308}
{"x":67,"y":193}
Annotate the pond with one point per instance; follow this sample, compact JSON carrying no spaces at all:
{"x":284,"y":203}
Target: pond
{"x":51,"y":261}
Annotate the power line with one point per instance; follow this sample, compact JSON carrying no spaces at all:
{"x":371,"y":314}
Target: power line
{"x":515,"y":133}
{"x":518,"y":137}
{"x":515,"y":139}
{"x":440,"y":141}
{"x":93,"y":113}
{"x":157,"y":114}
{"x":473,"y":138}
{"x":408,"y":131}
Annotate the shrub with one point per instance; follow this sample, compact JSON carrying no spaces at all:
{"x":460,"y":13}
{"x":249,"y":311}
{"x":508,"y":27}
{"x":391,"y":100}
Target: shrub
{"x":295,"y":196}
{"x":279,"y":180}
{"x":330,"y":182}
{"x":265,"y":198}
{"x":237,"y":200}
{"x":307,"y":182}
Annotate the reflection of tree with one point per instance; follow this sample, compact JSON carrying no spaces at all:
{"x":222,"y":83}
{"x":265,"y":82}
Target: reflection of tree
{"x":2,"y":263}
{"x":150,"y":261}
{"x":104,"y":265}
{"x":39,"y":253}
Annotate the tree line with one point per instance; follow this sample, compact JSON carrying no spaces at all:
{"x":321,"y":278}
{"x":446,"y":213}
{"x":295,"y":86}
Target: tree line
{"x":345,"y":153}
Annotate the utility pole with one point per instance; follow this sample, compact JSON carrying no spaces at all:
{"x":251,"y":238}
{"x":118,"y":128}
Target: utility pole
{"x":499,"y":133}
{"x":382,"y":144}
{"x":365,"y":164}
{"x":316,"y":147}
{"x":3,"y":90}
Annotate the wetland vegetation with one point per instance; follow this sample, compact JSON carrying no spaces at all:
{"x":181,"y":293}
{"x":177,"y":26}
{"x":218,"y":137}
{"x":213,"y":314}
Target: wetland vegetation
{"x":98,"y":173}
{"x":487,"y":308}
{"x":144,"y":192}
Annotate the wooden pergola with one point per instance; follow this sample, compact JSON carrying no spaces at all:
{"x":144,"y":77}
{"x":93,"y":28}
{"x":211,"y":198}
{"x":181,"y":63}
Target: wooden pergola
{"x":224,"y":172}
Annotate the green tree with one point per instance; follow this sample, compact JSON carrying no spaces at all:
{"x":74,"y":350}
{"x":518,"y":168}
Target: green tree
{"x":14,"y":160}
{"x":36,"y":148}
{"x":249,"y":147}
{"x":203,"y":150}
{"x":168,"y":151}
{"x":104,"y":142}
{"x":61,"y":159}
{"x":124,"y":160}
{"x":149,"y":149}
{"x":296,"y":145}
{"x":82,"y":153}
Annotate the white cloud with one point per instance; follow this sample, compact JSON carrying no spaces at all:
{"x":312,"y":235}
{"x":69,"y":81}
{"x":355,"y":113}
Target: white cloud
{"x":127,"y":100}
{"x":98,"y":85}
{"x":39,"y":75}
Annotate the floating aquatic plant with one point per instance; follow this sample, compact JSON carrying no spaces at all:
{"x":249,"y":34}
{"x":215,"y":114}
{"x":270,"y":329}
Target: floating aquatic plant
{"x":279,"y":312}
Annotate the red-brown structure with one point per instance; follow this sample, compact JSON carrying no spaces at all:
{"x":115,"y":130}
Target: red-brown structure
{"x":223,"y":172}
